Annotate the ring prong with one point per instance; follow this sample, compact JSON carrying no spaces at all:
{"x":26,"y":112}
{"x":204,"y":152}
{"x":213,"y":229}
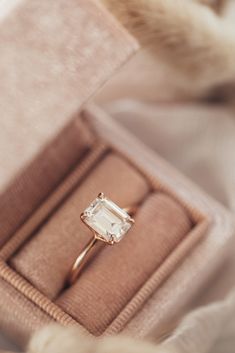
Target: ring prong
{"x":82,"y":216}
{"x":101,"y":195}
{"x":132,"y":220}
{"x":111,"y":242}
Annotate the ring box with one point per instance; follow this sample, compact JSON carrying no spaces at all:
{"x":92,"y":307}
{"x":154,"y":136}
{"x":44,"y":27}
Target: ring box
{"x":181,"y":235}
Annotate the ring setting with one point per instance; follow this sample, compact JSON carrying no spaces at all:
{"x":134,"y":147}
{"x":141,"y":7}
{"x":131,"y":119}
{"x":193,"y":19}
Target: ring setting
{"x":109,"y":224}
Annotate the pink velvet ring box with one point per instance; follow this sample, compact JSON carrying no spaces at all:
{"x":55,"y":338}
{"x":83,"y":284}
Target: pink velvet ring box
{"x":59,"y":160}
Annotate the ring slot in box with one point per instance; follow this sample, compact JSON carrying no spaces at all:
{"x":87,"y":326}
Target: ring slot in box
{"x":47,"y":257}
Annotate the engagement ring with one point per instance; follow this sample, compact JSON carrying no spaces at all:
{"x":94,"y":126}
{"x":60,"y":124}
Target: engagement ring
{"x":109,"y":224}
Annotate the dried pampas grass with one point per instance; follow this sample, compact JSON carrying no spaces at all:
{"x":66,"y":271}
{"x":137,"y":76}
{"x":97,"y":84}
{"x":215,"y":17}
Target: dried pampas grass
{"x":199,"y":332}
{"x":57,"y":339}
{"x":189,"y":35}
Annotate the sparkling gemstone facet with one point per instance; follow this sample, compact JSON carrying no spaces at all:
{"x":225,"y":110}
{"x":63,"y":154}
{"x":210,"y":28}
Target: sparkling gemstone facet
{"x":108,"y":220}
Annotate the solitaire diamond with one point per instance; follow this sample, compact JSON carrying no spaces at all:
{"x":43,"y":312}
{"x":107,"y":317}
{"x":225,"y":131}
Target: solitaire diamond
{"x":107,"y":220}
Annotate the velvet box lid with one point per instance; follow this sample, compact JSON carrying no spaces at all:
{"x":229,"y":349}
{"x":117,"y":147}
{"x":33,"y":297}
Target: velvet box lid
{"x":54,"y":56}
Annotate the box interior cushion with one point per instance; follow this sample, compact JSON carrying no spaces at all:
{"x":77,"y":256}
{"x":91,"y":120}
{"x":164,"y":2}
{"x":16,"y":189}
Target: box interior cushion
{"x":116,"y":273}
{"x":46,"y":258}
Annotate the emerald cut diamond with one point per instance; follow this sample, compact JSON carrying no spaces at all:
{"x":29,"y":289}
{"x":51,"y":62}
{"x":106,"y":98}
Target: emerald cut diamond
{"x":109,"y":222}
